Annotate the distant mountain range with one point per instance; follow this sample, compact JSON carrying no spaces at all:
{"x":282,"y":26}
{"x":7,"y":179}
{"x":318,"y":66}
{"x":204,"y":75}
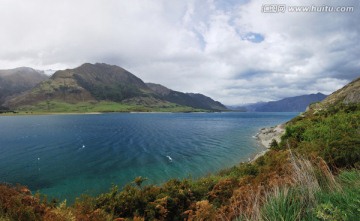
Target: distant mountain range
{"x":93,"y":83}
{"x":290,"y":104}
{"x":18,"y":80}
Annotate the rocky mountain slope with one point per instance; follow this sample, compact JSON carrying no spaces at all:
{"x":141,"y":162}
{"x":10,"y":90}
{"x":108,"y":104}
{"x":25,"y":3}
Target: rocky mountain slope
{"x":349,"y":94}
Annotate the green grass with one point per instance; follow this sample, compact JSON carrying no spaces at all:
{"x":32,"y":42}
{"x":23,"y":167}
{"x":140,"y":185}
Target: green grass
{"x":102,"y":106}
{"x":343,"y":204}
{"x":285,"y":204}
{"x":329,"y":204}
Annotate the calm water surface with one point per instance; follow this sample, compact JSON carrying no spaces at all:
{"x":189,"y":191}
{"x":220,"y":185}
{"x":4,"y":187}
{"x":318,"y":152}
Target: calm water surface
{"x":64,"y":156}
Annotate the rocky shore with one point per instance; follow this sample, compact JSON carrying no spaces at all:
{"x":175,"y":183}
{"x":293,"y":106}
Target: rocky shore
{"x":266,"y":135}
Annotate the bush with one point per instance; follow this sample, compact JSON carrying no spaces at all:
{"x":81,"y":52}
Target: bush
{"x":274,"y":145}
{"x":17,"y":203}
{"x":327,"y":211}
{"x":332,"y":135}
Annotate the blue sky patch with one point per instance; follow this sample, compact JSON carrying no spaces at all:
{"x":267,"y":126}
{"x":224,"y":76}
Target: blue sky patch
{"x":253,"y":37}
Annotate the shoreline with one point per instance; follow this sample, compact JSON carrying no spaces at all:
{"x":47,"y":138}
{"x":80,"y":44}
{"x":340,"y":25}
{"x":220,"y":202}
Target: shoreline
{"x":104,"y":112}
{"x":265,"y":136}
{"x":49,"y":113}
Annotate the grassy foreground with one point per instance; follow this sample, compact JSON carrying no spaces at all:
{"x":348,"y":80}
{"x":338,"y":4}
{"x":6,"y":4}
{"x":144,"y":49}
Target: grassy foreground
{"x":313,"y":174}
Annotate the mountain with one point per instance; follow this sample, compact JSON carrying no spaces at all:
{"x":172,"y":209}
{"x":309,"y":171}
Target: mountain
{"x":206,"y":102}
{"x":109,"y":82}
{"x":249,"y":107}
{"x":347,"y":95}
{"x":187,"y":99}
{"x":18,"y":80}
{"x":350,"y":93}
{"x":94,"y":83}
{"x":290,"y":104}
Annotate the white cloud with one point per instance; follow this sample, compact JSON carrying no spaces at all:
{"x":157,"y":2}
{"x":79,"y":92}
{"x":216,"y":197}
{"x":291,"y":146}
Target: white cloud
{"x":230,"y":51}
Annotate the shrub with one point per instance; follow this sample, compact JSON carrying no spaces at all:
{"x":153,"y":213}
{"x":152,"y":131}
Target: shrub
{"x":327,"y":211}
{"x":274,"y":145}
{"x":17,"y":203}
{"x":333,"y":135}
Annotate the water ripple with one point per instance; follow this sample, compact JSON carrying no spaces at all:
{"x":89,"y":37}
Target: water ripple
{"x":66,"y":155}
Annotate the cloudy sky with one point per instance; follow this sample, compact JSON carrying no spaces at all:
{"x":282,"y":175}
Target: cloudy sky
{"x":229,"y":50}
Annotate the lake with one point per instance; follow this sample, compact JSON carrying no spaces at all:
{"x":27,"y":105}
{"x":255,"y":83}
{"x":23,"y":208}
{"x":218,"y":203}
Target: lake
{"x":64,"y":156}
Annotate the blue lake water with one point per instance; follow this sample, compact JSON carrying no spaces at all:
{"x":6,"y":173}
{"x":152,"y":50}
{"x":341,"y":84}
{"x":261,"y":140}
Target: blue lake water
{"x":64,"y":156}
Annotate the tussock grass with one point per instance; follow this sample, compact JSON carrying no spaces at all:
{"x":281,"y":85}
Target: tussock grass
{"x":307,"y":197}
{"x":282,"y":204}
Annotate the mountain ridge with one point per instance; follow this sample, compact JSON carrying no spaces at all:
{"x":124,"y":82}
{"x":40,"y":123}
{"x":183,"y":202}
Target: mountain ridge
{"x":93,"y":83}
{"x":289,"y":104}
{"x":347,"y":95}
{"x":188,"y":99}
{"x":350,"y":93}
